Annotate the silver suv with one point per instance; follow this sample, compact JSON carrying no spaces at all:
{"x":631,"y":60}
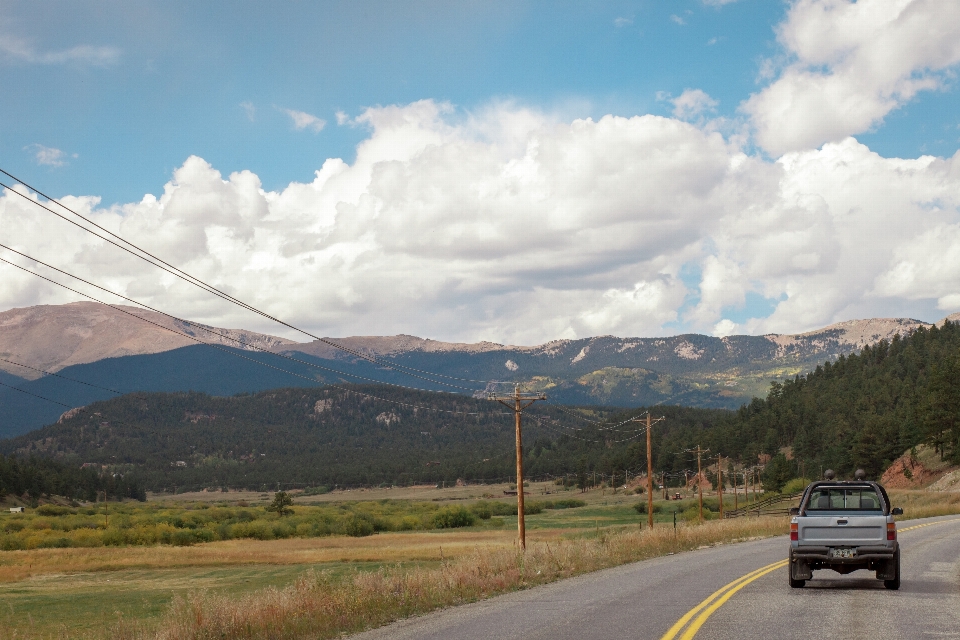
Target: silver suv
{"x":844,"y":526}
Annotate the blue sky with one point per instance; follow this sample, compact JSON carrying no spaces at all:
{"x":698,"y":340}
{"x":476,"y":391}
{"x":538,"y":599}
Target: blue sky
{"x":181,"y":72}
{"x":110,"y":99}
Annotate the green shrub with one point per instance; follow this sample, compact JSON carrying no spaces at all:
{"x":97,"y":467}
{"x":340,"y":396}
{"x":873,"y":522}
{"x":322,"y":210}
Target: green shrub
{"x":482,"y":510}
{"x":532,"y":508}
{"x":357,"y":526}
{"x":54,"y":510}
{"x":564,"y":503}
{"x":795,"y":486}
{"x":641,"y":507}
{"x":453,"y":517}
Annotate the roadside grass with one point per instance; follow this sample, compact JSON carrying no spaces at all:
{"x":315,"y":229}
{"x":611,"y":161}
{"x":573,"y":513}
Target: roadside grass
{"x":924,"y":504}
{"x":142,"y":591}
{"x":321,"y":605}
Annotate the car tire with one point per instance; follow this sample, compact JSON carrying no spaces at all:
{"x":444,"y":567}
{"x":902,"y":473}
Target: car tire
{"x":794,"y":583}
{"x":894,"y":584}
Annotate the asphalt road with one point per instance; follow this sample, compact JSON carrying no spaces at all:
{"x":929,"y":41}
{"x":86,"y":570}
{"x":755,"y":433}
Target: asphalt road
{"x":647,"y":599}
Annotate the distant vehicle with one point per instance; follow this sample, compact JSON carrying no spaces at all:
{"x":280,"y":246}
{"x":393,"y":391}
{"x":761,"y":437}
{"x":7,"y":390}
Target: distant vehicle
{"x":844,"y":526}
{"x":676,"y":496}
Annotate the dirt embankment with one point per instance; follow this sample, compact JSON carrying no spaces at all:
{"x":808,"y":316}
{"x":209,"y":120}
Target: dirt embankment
{"x":920,"y":468}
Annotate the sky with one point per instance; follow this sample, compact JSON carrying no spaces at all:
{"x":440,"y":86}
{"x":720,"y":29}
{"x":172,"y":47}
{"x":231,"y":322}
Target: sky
{"x":516,"y":172}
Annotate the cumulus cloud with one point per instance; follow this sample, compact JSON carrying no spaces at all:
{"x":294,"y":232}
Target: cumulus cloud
{"x":850,"y":64}
{"x":512,"y":225}
{"x":17,"y":49}
{"x":302,"y":120}
{"x":692,"y":103}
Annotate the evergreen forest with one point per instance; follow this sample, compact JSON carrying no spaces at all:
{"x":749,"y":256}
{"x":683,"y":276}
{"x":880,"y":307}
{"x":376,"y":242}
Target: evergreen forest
{"x":859,"y":411}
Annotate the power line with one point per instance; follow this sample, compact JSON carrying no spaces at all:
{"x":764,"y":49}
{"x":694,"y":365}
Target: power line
{"x":195,"y":339}
{"x":150,"y":258}
{"x":10,"y":386}
{"x":201,"y":327}
{"x":50,"y":373}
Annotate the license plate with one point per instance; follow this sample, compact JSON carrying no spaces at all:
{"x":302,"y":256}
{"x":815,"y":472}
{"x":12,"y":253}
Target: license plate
{"x":843,"y":553}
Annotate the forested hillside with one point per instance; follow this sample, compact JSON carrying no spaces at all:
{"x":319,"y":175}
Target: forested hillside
{"x":862,"y":411}
{"x":34,"y":477}
{"x":332,"y":436}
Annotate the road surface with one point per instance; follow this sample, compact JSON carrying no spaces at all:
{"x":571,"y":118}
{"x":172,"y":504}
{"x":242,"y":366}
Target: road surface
{"x":734,"y":591}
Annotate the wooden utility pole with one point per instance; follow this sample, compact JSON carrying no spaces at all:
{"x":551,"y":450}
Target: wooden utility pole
{"x":736,"y":489}
{"x":650,"y":422}
{"x":720,"y":482}
{"x":518,"y":402}
{"x":699,"y":453}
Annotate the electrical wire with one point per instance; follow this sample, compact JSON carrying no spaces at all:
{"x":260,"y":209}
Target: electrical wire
{"x":10,"y":386}
{"x":195,"y":339}
{"x":150,"y":258}
{"x":50,"y":373}
{"x":246,"y":345}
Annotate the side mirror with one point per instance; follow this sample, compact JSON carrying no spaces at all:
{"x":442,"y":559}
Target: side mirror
{"x":794,"y":511}
{"x":896,"y":511}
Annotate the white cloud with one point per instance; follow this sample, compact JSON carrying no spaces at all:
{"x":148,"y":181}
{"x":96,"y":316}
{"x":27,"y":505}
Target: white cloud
{"x":622,"y":22}
{"x":677,"y":19}
{"x":342,"y":118}
{"x":47,"y":156}
{"x":511,"y":225}
{"x":302,"y":120}
{"x":249,"y":110}
{"x":724,"y":328}
{"x":692,"y":103}
{"x":21,"y":50}
{"x":852,"y":63}
{"x":718,"y":3}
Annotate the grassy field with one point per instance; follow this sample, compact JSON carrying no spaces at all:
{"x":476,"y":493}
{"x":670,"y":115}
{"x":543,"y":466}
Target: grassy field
{"x":118,"y":591}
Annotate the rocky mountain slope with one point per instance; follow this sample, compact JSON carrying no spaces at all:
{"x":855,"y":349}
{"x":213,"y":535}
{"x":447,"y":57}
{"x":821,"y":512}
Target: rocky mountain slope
{"x":51,"y":337}
{"x":94,"y":343}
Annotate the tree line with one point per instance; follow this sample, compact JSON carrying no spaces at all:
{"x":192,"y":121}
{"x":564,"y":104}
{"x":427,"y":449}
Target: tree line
{"x":34,"y":477}
{"x":858,"y":411}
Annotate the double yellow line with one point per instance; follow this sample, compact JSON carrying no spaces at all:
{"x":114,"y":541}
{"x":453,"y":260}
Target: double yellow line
{"x":714,"y":602}
{"x":690,"y":623}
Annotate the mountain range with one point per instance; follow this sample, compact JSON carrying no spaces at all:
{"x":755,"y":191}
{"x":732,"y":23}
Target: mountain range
{"x":125,"y":349}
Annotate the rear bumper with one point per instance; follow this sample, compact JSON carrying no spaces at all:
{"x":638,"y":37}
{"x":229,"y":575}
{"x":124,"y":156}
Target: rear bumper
{"x":864,"y":554}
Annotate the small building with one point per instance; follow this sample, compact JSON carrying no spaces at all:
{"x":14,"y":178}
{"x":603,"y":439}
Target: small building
{"x":16,"y":509}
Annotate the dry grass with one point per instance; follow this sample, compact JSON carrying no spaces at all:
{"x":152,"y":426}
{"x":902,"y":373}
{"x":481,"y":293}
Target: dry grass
{"x":925,"y":504}
{"x":318,"y":606}
{"x":385,"y":548}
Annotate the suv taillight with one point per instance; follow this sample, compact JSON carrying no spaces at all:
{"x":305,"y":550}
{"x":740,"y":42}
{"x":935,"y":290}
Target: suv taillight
{"x":891,"y":531}
{"x":795,"y":532}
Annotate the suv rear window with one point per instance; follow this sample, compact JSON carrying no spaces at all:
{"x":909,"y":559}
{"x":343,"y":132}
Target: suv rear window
{"x":844,"y":499}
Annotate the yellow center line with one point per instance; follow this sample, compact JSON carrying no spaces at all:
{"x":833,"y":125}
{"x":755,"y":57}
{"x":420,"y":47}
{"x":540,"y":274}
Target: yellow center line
{"x":719,"y":597}
{"x":742,"y":580}
{"x":695,"y":626}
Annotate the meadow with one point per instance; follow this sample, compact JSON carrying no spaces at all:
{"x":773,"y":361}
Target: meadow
{"x":245,"y":587}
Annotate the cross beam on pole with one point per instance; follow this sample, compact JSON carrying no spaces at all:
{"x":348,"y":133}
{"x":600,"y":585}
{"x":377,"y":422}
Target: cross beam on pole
{"x":517,"y":403}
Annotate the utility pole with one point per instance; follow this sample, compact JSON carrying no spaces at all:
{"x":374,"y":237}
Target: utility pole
{"x":736,"y":489}
{"x":699,"y":453}
{"x":720,"y":482}
{"x":650,"y":423}
{"x":519,"y":403}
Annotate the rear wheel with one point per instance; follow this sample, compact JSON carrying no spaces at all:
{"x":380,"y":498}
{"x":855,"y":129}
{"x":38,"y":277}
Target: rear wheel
{"x":794,"y":583}
{"x":894,"y":584}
